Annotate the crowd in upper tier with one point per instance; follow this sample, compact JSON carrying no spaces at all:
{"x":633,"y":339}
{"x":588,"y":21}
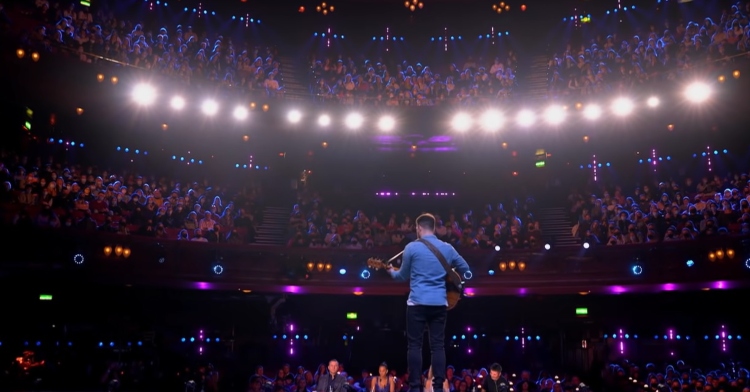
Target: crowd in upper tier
{"x":176,"y":51}
{"x":666,"y":51}
{"x":604,"y":61}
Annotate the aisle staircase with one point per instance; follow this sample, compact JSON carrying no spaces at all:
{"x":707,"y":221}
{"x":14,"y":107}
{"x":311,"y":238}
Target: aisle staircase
{"x":535,"y":79}
{"x":273,"y":230}
{"x":296,"y":84}
{"x":556,"y":227}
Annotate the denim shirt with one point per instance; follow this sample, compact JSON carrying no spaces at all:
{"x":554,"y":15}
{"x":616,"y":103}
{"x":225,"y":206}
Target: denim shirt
{"x":425,"y":272}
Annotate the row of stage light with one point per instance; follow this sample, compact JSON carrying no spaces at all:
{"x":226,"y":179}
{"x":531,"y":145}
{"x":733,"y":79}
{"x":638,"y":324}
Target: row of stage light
{"x":491,"y":120}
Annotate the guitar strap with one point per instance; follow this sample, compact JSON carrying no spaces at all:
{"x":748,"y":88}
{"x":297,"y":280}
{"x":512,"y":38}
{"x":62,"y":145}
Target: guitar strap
{"x":439,"y":256}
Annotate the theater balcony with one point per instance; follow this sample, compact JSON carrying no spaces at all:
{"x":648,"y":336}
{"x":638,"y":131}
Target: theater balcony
{"x":61,"y":257}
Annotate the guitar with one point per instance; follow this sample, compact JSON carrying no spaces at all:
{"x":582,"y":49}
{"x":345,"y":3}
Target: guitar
{"x":454,"y":285}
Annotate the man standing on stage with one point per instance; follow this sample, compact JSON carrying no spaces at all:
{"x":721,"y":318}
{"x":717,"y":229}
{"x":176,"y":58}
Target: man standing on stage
{"x":427,"y":303}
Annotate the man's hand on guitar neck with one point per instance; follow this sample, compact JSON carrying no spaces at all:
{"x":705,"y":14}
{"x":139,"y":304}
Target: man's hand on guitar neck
{"x":391,"y":268}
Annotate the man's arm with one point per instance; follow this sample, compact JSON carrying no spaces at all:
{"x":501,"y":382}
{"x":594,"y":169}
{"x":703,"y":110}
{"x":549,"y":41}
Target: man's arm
{"x":458,"y":262}
{"x":404,"y":272}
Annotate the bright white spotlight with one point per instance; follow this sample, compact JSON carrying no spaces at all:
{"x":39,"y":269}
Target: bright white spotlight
{"x":324,"y":120}
{"x":177,"y":103}
{"x":386,"y":123}
{"x":697,"y":92}
{"x":653,"y":102}
{"x":144,"y":94}
{"x":210,"y":107}
{"x":461,"y":122}
{"x":354,"y":121}
{"x":492,"y":120}
{"x":294,"y":116}
{"x":240,"y":113}
{"x":526,"y":118}
{"x":554,"y":114}
{"x":622,"y":107}
{"x":592,"y":112}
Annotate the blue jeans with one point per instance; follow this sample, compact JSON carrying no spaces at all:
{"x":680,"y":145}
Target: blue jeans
{"x":419,"y":318}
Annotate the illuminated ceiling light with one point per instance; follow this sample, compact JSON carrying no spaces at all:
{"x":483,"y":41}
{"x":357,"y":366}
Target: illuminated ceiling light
{"x":492,"y":120}
{"x":554,"y":115}
{"x":503,"y":7}
{"x":324,"y":120}
{"x":413,"y":5}
{"x":324,"y":8}
{"x":526,"y":118}
{"x":240,"y":113}
{"x":354,"y":121}
{"x":592,"y":112}
{"x":622,"y":107}
{"x":386,"y":123}
{"x":697,"y":92}
{"x":177,"y":103}
{"x":35,"y":56}
{"x":210,"y":107}
{"x":461,"y":122}
{"x":20,"y":53}
{"x":144,"y":94}
{"x":294,"y":116}
{"x":653,"y":102}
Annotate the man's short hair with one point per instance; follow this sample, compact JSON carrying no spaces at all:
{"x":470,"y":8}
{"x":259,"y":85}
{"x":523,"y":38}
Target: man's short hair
{"x":495,"y":367}
{"x":426,"y":221}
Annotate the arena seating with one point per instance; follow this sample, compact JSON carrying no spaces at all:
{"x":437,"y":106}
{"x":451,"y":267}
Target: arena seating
{"x":608,"y":62}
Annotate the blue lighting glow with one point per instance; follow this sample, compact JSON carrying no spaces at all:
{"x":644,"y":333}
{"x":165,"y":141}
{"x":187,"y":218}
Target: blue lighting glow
{"x":463,"y":337}
{"x":627,"y":336}
{"x":182,"y":340}
{"x":491,"y":272}
{"x":218,"y":269}
{"x":606,"y":336}
{"x":515,"y":338}
{"x":637,"y":269}
{"x":365,"y":274}
{"x":192,"y":340}
{"x":614,"y":336}
{"x":690,"y":263}
{"x":342,"y":271}
{"x":283,"y":336}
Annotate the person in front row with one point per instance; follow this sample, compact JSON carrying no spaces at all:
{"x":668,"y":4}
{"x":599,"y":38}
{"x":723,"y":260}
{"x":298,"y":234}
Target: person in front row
{"x":384,"y":382}
{"x":495,"y":382}
{"x":427,"y":306}
{"x":332,"y":381}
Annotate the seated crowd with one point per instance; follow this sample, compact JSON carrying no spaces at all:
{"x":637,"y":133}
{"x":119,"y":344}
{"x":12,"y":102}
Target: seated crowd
{"x":54,"y":195}
{"x":670,"y":211}
{"x":620,"y":62}
{"x":317,"y":225}
{"x":362,"y":81}
{"x":616,"y":377}
{"x":180,"y":52}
